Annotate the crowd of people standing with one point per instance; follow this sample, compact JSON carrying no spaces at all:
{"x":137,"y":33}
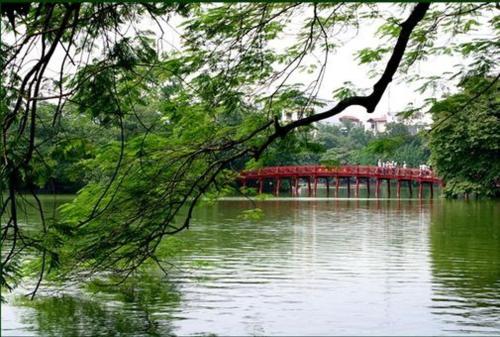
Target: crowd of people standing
{"x":390,"y":164}
{"x":393,"y":167}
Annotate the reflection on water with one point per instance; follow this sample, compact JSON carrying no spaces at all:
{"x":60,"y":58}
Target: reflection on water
{"x":465,"y":250}
{"x":310,"y":267}
{"x":143,"y":305}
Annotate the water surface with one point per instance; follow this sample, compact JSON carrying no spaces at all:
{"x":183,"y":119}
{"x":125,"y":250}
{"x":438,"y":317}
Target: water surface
{"x":309,"y":267}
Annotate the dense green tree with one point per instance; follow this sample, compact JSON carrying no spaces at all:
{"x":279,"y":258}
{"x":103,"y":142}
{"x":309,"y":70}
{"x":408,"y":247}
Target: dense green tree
{"x":343,"y":142}
{"x":399,"y":144}
{"x":465,"y":138}
{"x":62,"y":150}
{"x":349,"y":144}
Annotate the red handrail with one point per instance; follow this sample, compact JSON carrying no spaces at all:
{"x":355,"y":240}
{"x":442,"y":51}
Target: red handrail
{"x":397,"y":173}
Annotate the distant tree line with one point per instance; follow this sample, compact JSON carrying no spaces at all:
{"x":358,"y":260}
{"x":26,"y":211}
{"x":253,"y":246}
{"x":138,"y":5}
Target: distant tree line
{"x":349,"y":143}
{"x":465,"y":149}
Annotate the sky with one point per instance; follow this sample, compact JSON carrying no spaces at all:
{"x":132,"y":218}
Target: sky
{"x":341,"y":67}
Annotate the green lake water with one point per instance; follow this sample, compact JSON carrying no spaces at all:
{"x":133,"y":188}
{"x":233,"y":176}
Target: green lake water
{"x":311,"y":266}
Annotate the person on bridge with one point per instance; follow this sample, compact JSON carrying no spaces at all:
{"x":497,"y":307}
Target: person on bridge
{"x":424,"y":170}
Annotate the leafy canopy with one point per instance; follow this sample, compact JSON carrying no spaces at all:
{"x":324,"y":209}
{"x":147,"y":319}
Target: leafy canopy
{"x":465,"y":139}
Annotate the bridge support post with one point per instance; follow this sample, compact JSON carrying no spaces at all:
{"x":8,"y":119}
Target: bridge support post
{"x":377,"y":188}
{"x":420,"y":190}
{"x":410,"y":187}
{"x":399,"y":189}
{"x":357,"y":187}
{"x":327,"y":187}
{"x":261,"y":185}
{"x":388,"y":188}
{"x":348,"y":187}
{"x":337,"y":182}
{"x":308,"y":186}
{"x":277,"y":187}
{"x":368,"y":186}
{"x":315,"y":185}
{"x":432,"y":190}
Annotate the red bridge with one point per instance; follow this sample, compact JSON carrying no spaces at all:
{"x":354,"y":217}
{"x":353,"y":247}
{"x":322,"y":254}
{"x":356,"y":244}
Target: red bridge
{"x":317,"y":173}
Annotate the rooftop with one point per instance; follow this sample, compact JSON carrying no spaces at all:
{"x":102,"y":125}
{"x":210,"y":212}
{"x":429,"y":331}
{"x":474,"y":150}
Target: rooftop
{"x":377,"y":119}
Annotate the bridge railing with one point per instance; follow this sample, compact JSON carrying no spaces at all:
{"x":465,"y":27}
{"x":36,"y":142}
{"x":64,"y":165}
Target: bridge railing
{"x":340,"y":171}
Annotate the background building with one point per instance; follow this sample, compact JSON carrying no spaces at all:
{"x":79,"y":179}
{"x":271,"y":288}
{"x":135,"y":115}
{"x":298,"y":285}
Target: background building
{"x":377,"y":124}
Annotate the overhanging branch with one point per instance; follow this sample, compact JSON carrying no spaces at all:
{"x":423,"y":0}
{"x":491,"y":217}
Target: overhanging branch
{"x":370,"y":101}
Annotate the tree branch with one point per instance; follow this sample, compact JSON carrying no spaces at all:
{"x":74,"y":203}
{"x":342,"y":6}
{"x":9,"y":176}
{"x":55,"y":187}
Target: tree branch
{"x":368,"y":102}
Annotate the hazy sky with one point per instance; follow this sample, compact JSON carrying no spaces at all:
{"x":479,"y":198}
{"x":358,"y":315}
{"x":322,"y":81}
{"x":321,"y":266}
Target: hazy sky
{"x":342,"y":65}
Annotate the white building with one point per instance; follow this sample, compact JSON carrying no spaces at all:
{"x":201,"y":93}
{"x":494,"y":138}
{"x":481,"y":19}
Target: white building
{"x":290,"y":116}
{"x":377,"y":124}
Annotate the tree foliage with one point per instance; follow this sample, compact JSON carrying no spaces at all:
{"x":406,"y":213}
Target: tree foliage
{"x":465,"y":139}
